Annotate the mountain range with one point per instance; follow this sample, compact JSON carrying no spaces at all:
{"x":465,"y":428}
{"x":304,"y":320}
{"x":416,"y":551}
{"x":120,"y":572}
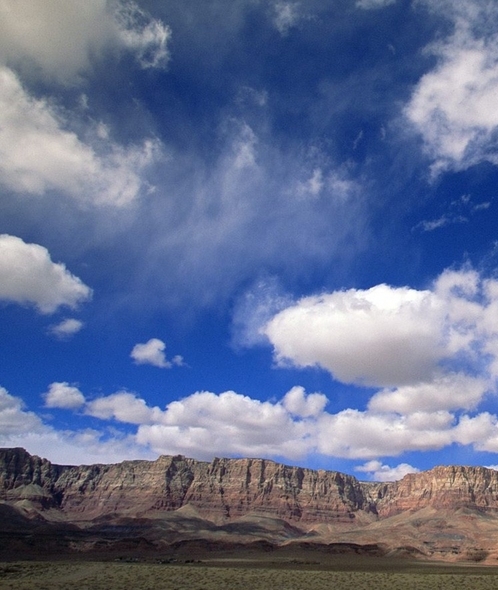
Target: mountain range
{"x":177,"y":504}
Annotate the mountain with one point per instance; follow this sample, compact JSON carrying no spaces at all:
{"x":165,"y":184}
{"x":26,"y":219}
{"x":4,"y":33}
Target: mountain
{"x":447,"y":512}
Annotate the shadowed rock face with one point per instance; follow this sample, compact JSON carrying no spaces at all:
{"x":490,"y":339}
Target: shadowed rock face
{"x":227,"y":489}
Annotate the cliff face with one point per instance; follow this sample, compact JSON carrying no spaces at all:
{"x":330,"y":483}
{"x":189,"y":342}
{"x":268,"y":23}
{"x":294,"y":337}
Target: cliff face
{"x":220,"y":490}
{"x":230,"y":488}
{"x":451,"y":487}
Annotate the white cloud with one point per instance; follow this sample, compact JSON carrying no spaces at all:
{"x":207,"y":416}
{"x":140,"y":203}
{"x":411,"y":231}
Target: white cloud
{"x":313,"y":185}
{"x":453,"y":106}
{"x":38,"y":154}
{"x":446,"y":392}
{"x":62,"y":38}
{"x":14,"y":420}
{"x":367,"y":435}
{"x":123,"y":407}
{"x":249,"y":204}
{"x":79,"y":447}
{"x":380,"y":472}
{"x":205,"y":424}
{"x":152,"y":353}
{"x":22,"y":428}
{"x":244,"y":148}
{"x":66,"y":328}
{"x":286,"y":16}
{"x":64,"y":396}
{"x":444,"y":220}
{"x":299,"y":404}
{"x":437,"y":407}
{"x":437,"y":345}
{"x":425,"y":405}
{"x":437,"y":348}
{"x":28,"y":275}
{"x":379,"y":336}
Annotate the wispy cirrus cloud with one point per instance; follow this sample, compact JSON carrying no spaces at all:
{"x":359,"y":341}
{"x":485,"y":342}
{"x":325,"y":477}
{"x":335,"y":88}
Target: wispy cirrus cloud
{"x":286,"y":16}
{"x":459,"y":211}
{"x":373,"y":4}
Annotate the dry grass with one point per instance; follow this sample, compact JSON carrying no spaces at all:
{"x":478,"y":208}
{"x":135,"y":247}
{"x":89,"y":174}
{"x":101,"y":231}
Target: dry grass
{"x":145,"y":576}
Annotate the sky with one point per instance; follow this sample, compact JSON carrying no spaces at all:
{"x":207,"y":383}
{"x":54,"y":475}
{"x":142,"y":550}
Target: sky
{"x":250,"y":228}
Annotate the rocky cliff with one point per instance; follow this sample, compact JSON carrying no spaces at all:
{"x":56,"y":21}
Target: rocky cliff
{"x":451,"y":488}
{"x":220,"y":490}
{"x":226,"y":489}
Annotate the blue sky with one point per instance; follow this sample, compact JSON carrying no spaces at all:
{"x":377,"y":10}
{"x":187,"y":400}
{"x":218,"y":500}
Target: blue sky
{"x":250,"y":228}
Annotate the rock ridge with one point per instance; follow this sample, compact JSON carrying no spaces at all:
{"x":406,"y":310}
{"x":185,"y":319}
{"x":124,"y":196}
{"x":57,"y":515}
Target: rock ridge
{"x":227,"y":489}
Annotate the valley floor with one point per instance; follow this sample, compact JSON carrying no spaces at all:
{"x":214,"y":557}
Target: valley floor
{"x":244,"y":575}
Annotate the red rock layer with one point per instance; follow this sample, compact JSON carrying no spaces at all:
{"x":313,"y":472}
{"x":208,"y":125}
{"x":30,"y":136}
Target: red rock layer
{"x":230,"y":488}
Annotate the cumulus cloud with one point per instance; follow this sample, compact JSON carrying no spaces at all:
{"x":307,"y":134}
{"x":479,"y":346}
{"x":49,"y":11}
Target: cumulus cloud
{"x":453,"y":105}
{"x":359,"y":434}
{"x":152,"y":353}
{"x":429,"y":405}
{"x":379,"y":472}
{"x":20,"y":427}
{"x":38,"y":153}
{"x":413,"y":341}
{"x":433,"y":352}
{"x":123,"y":407}
{"x":446,"y":392}
{"x":14,"y":419}
{"x":64,"y":396}
{"x":29,"y":276}
{"x":379,"y":336}
{"x":207,"y":424}
{"x":62,"y":38}
{"x":298,"y":403}
{"x":66,"y":328}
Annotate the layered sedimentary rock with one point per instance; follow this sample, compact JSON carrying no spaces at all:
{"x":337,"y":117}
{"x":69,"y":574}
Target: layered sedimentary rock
{"x":226,"y":489}
{"x":450,"y":487}
{"x":220,"y":490}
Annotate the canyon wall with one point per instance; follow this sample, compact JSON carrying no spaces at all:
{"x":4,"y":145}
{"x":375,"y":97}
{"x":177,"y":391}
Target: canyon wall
{"x":225,"y":489}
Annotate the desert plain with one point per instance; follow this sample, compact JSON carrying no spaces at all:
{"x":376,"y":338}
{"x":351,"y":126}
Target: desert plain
{"x":265,"y":573}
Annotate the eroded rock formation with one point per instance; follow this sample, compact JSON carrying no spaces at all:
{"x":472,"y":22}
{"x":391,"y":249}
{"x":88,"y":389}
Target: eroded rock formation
{"x":231,"y":488}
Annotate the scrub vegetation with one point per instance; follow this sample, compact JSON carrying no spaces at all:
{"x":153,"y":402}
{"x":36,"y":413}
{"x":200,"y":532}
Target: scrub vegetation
{"x":290,"y":575}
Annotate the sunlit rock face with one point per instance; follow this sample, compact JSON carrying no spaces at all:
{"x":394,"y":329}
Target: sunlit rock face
{"x":227,"y":489}
{"x":451,"y":487}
